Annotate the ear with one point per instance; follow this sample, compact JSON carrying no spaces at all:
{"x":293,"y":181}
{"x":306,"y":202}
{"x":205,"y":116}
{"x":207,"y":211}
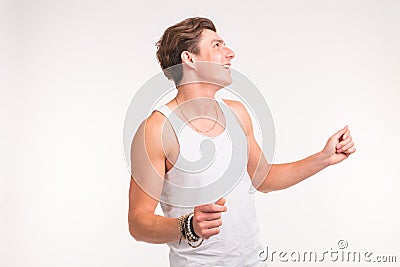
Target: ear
{"x":187,"y":58}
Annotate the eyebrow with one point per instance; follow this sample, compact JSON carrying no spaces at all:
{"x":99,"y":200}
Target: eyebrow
{"x":218,"y":40}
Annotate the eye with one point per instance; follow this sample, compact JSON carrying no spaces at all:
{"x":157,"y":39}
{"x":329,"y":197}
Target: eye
{"x":217,"y":44}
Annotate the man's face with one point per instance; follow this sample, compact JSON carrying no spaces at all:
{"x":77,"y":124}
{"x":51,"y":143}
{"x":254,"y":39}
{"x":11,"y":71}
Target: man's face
{"x":214,"y":60}
{"x":213,"y":49}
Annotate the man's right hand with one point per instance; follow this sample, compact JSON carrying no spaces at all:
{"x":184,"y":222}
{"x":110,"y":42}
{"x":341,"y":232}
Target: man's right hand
{"x":207,"y":218}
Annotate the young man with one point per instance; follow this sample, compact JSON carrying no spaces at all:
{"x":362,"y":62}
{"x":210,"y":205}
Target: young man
{"x":223,"y":233}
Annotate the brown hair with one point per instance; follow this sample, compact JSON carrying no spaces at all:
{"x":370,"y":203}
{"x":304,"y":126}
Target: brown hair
{"x":183,"y":36}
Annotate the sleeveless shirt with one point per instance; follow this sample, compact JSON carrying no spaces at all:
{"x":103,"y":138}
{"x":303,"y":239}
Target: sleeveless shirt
{"x":237,"y":243}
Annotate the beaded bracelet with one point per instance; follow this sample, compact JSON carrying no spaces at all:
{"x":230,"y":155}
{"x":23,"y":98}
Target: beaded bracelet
{"x":185,"y":226}
{"x":191,"y":228}
{"x":181,"y":221}
{"x":190,"y":234}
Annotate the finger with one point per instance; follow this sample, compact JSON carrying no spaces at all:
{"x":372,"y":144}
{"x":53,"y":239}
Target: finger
{"x":221,"y":201}
{"x":211,"y":216}
{"x":338,"y":134}
{"x":344,"y":142}
{"x":211,"y":208}
{"x":346,"y":134}
{"x":350,"y":151}
{"x":347,"y":146}
{"x":207,"y":233}
{"x":210,"y":224}
{"x":343,"y":136}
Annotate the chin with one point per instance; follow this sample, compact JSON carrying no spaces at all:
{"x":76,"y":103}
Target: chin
{"x":225,"y":81}
{"x":226,"y":84}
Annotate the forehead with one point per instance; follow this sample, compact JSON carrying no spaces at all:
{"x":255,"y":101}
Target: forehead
{"x":208,"y":36}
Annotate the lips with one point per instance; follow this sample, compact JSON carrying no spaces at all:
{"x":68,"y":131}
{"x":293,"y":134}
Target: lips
{"x":226,"y":66}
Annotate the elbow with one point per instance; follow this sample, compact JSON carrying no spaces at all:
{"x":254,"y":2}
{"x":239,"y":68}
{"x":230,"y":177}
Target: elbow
{"x":133,"y":230}
{"x":140,"y":227}
{"x":134,"y":234}
{"x":268,"y":187}
{"x":263,"y":182}
{"x":270,"y":184}
{"x":264,"y":186}
{"x":265,"y":189}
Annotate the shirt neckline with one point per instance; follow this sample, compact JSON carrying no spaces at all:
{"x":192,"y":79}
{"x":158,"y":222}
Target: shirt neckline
{"x":200,"y":134}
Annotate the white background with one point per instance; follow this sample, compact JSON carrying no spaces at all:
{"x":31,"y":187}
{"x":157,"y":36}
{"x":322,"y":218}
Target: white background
{"x":69,"y":70}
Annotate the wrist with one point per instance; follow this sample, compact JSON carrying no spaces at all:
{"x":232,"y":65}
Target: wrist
{"x":191,"y":226}
{"x":323,"y":159}
{"x":186,"y":230}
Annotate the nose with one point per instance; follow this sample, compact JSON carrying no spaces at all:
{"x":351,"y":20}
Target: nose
{"x":229,"y":53}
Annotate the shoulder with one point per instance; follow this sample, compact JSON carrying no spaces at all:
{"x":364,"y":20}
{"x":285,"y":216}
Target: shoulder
{"x":152,"y":125}
{"x":155,"y":132}
{"x":155,"y":121}
{"x":241,"y":112}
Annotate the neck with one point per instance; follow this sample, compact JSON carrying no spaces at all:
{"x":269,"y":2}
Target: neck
{"x":205,"y":93}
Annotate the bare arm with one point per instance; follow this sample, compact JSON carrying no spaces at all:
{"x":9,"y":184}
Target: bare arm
{"x":148,"y":170}
{"x":285,"y":175}
{"x":271,"y":177}
{"x":146,"y":226}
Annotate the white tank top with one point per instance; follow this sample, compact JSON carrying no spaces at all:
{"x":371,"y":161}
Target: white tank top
{"x":237,"y":244}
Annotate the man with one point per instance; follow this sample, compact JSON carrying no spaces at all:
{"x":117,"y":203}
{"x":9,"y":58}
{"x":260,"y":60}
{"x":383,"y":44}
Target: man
{"x":223,"y":233}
